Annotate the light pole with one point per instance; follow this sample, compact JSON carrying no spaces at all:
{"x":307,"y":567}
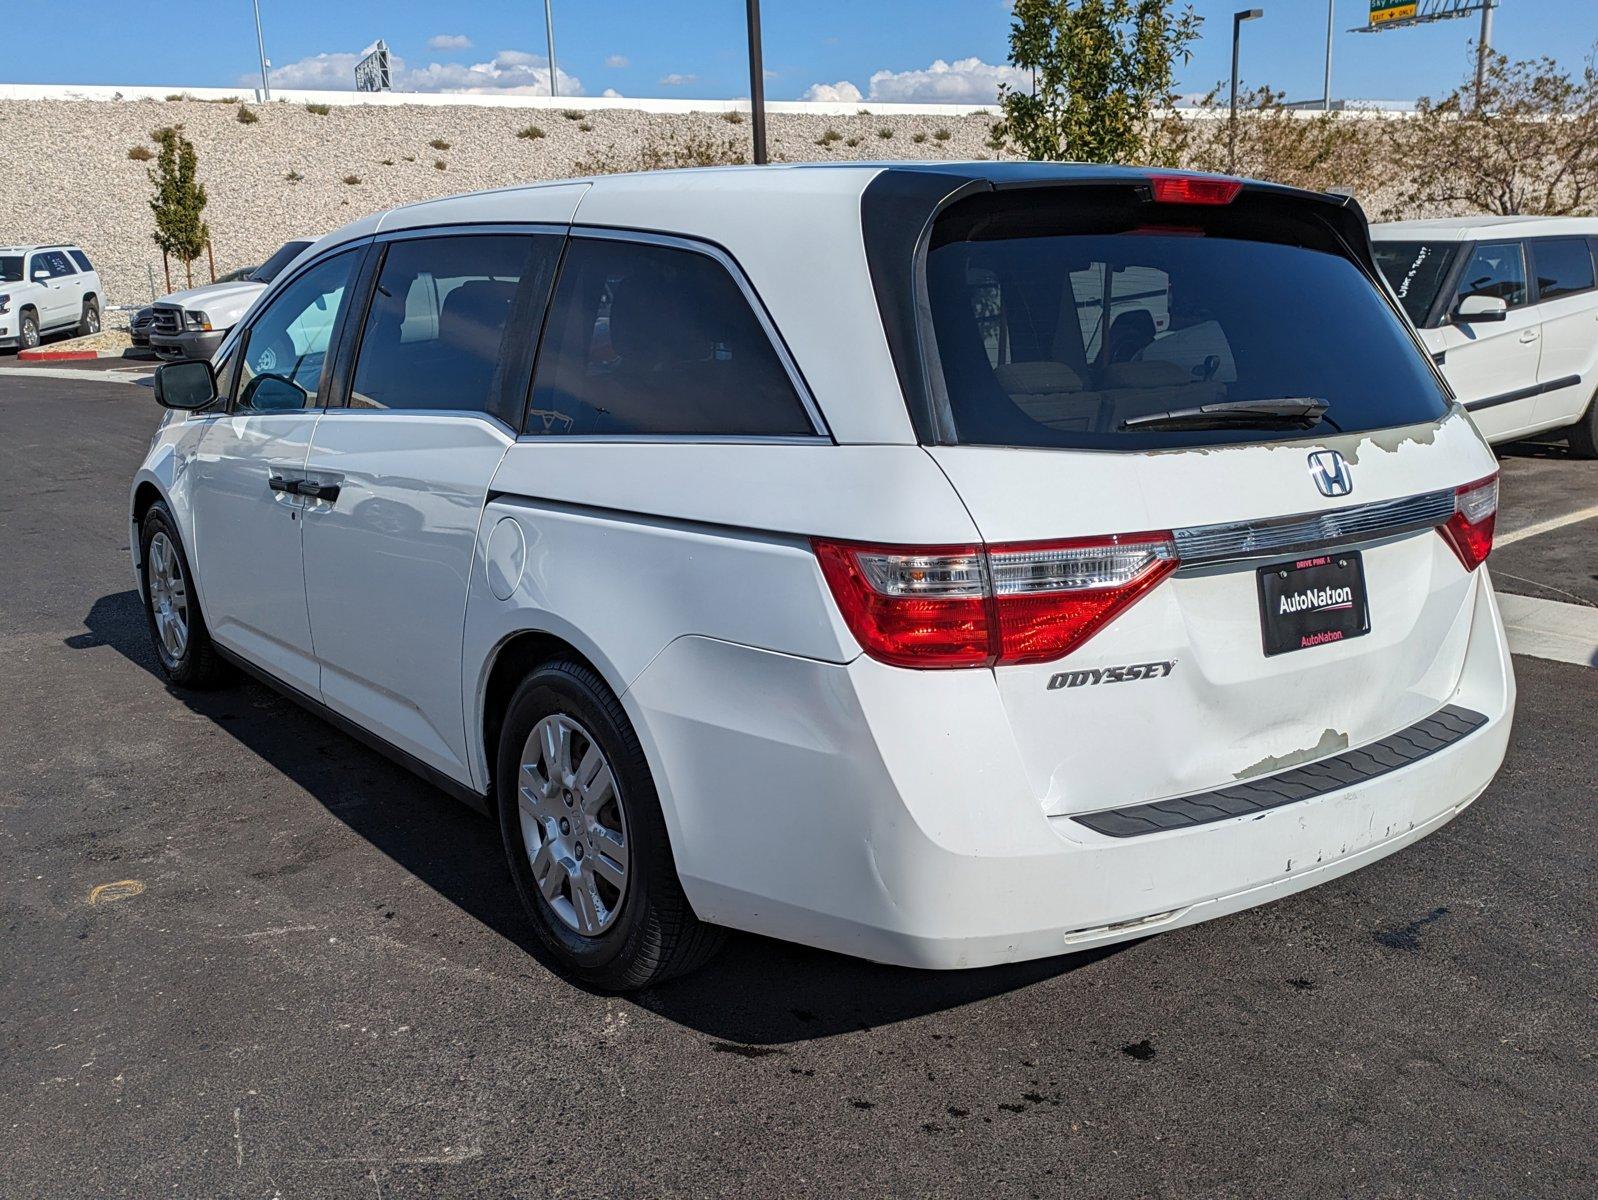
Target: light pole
{"x":549,"y":37}
{"x":757,"y":85}
{"x":1484,"y":47}
{"x":1247,"y":14}
{"x":260,"y":46}
{"x":1326,"y":90}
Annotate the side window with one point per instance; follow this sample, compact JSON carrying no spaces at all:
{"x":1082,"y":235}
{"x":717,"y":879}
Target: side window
{"x":51,"y":264}
{"x":1496,"y":269}
{"x":285,"y":348}
{"x":82,"y":259}
{"x":1563,"y":266}
{"x":649,"y":340}
{"x":435,"y":334}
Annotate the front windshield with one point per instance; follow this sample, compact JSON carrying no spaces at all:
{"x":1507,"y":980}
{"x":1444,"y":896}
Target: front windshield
{"x":10,"y":268}
{"x":270,"y":269}
{"x":1416,"y":271}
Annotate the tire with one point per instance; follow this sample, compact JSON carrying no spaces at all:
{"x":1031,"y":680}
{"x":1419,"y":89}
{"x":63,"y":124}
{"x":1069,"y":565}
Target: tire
{"x":89,"y":323}
{"x":639,"y":933}
{"x":187,"y":657}
{"x":28,"y":330}
{"x":1583,"y":435}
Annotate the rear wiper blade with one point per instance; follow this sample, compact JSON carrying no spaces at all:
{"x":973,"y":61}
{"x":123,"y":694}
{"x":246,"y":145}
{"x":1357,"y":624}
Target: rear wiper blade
{"x":1289,"y":411}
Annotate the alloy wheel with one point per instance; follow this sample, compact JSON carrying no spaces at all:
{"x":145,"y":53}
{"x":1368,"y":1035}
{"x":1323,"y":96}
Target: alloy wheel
{"x":169,"y":597}
{"x":574,"y":824}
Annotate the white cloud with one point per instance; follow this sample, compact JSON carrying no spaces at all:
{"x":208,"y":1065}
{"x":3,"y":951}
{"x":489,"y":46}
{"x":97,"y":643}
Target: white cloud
{"x":611,"y":94}
{"x":964,"y":81}
{"x":843,"y":91}
{"x":617,"y":61}
{"x":507,"y":71}
{"x":676,"y":80}
{"x":449,"y":41}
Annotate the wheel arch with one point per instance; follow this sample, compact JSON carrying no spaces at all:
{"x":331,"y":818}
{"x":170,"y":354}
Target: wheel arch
{"x":511,"y":661}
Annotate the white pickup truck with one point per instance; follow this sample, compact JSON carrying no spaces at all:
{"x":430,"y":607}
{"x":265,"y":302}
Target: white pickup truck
{"x":192,"y":324}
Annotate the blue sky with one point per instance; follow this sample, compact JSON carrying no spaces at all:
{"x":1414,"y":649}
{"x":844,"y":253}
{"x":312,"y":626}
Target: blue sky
{"x":878,"y":49}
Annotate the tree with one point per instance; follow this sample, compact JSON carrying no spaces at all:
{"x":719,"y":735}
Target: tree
{"x":1529,"y":146}
{"x":1307,"y":149}
{"x":179,"y":200}
{"x":1103,"y":71}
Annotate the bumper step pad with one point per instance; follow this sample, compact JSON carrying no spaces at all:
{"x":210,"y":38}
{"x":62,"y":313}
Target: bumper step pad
{"x":1437,"y":732}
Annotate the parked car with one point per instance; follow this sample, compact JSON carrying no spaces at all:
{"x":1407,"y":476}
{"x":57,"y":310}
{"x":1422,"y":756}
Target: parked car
{"x":46,"y":289}
{"x":1508,"y":306}
{"x":139,"y":326}
{"x":787,"y":550}
{"x":192,"y":324}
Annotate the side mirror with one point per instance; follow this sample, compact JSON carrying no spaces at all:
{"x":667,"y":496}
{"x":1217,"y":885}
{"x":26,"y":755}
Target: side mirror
{"x":1481,"y":308}
{"x":185,"y":386}
{"x":272,"y":393}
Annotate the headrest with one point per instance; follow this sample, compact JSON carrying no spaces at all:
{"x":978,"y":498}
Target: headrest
{"x":475,"y":314}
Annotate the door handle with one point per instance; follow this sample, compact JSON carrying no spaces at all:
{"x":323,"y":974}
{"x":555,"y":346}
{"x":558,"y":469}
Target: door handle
{"x":313,"y":490}
{"x":278,"y":484}
{"x":1528,"y":335}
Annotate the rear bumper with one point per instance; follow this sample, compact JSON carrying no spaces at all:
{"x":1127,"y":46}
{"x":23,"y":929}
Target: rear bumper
{"x":884,"y":813}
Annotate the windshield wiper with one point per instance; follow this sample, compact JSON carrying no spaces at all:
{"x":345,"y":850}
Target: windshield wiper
{"x":1290,"y":412}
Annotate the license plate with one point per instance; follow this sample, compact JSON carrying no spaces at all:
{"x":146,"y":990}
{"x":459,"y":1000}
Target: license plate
{"x":1312,"y":601}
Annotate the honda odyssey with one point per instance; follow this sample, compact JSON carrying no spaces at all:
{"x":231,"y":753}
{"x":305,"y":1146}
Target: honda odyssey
{"x":944,"y":564}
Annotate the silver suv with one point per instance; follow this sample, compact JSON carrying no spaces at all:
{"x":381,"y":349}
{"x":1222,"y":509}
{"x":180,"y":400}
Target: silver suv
{"x":46,"y":289}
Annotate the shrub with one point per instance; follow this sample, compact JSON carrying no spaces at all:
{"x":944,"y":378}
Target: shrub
{"x":410,"y":158}
{"x":175,"y":96}
{"x":319,"y":110}
{"x":440,"y":165}
{"x":918,"y":138}
{"x":140,"y":153}
{"x":388,"y":162}
{"x":530,"y":133}
{"x":293,"y":177}
{"x":733,"y":118}
{"x":439,"y":144}
{"x":884,"y":133}
{"x":352,"y":180}
{"x":826,"y":139}
{"x":247,"y":116}
{"x":571,"y":114}
{"x":584,"y":127}
{"x":942,"y":135}
{"x":854,"y":141}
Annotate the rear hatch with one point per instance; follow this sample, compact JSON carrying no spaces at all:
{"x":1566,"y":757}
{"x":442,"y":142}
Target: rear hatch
{"x":1210,"y":465}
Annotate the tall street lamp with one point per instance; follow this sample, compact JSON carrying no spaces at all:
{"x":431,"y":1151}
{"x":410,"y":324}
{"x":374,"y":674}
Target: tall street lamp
{"x":549,"y":36}
{"x":757,"y":85}
{"x":1247,"y":14}
{"x":260,"y":46}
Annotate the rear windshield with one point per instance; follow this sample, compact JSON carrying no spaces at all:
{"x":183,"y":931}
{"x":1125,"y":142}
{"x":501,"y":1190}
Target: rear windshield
{"x":10,"y":268}
{"x":1416,"y":271}
{"x":1059,"y":328}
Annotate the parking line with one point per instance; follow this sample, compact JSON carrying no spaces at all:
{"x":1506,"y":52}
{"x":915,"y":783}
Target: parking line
{"x":109,"y":375}
{"x":1549,"y":629}
{"x":1584,"y":514}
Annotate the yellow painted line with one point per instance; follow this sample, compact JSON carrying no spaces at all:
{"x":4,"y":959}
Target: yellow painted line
{"x":120,"y":890}
{"x":1584,"y":514}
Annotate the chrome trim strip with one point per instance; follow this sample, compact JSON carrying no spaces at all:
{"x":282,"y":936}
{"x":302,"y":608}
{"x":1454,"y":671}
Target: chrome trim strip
{"x":1234,"y":541}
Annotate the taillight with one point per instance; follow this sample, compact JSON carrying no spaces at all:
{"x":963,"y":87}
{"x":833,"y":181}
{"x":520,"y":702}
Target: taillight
{"x":967,"y":606}
{"x":1194,"y":189}
{"x":1469,"y":532}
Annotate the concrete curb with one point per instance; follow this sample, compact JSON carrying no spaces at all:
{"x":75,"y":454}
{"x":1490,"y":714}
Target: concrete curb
{"x":59,"y":355}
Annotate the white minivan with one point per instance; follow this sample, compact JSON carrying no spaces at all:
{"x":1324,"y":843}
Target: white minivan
{"x":1508,"y":306}
{"x":944,"y":564}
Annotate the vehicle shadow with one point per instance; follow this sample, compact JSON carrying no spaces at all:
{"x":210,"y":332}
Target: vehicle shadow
{"x":757,"y":993}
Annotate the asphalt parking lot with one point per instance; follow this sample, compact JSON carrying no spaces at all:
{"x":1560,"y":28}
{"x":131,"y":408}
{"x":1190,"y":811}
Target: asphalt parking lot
{"x":309,"y":976}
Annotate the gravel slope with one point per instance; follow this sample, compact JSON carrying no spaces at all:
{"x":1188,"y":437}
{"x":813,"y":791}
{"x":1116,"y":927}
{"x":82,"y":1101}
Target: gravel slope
{"x":65,"y":173}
